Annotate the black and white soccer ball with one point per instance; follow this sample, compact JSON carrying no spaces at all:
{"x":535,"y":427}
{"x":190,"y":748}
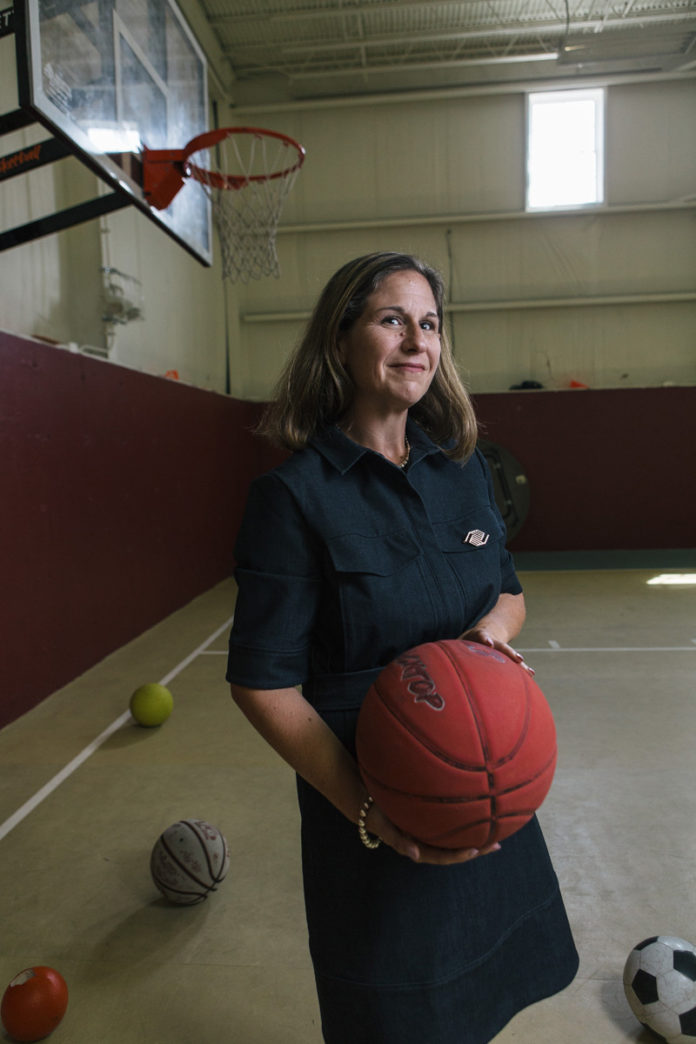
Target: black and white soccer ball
{"x":660,"y":985}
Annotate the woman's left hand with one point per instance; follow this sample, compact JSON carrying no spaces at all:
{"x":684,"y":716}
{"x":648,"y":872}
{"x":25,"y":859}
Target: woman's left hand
{"x":382,"y":827}
{"x":485,"y":637}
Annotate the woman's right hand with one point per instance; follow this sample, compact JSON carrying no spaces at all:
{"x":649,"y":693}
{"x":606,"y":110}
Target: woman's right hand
{"x":293,"y":728}
{"x":378,"y":824}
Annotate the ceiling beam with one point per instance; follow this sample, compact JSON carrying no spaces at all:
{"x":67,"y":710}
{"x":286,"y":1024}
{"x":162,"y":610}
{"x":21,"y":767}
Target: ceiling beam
{"x":460,"y":63}
{"x":644,"y":63}
{"x":511,"y":32}
{"x":332,"y":12}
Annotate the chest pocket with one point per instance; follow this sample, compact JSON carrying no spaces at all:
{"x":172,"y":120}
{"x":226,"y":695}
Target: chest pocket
{"x":471,"y":546}
{"x":377,"y":591}
{"x":379,"y":556}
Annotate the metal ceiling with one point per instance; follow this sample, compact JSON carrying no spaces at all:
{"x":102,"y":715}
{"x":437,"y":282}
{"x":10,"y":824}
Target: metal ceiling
{"x":289,"y":49}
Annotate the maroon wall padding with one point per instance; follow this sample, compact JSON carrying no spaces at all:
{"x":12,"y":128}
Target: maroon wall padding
{"x":120,"y":496}
{"x":607,"y":469}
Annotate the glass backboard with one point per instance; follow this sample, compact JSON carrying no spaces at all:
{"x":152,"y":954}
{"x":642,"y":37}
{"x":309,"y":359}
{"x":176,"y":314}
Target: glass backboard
{"x":112,"y":76}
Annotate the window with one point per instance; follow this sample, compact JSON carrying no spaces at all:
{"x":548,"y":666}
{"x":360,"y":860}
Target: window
{"x":565,"y":148}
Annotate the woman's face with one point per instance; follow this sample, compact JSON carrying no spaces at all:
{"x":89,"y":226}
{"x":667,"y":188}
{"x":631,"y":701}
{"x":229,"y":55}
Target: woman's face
{"x":392,"y":351}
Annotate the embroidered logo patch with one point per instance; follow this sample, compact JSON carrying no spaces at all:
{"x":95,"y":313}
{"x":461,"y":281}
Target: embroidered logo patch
{"x":476,"y":537}
{"x":420,"y":684}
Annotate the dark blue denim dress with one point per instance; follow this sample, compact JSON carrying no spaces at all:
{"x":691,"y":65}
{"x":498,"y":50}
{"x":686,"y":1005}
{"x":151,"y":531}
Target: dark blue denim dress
{"x":344,"y":561}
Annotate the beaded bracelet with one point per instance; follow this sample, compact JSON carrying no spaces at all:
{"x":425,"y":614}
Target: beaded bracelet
{"x":368,"y":840}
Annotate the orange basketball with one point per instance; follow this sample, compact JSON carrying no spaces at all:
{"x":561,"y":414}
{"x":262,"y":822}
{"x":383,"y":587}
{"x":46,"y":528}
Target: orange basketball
{"x":34,"y":1003}
{"x":456,"y":743}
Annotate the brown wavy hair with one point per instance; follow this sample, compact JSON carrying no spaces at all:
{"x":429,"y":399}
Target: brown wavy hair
{"x":315,"y":389}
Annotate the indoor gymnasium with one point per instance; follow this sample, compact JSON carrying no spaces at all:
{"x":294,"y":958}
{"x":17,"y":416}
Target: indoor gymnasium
{"x":178,"y":181}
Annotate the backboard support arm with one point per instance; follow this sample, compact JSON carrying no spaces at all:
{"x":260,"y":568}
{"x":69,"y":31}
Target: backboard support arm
{"x":63,"y":219}
{"x":12,"y":121}
{"x":32,"y":156}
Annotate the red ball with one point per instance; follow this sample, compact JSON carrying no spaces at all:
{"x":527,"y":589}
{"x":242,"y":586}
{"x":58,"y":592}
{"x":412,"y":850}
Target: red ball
{"x":456,"y":743}
{"x":34,"y":1003}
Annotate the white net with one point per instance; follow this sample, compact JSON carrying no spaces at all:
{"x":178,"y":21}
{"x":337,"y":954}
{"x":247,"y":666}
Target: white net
{"x":247,"y":178}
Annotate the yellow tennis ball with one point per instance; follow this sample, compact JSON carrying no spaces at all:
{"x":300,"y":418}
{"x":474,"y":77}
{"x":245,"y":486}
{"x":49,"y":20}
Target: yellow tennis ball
{"x":151,"y":704}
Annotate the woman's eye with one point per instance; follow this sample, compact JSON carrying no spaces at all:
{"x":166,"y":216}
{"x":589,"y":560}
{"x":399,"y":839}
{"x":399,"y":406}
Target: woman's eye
{"x":429,"y":325}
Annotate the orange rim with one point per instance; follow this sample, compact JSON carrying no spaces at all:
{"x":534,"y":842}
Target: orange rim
{"x":217,"y":179}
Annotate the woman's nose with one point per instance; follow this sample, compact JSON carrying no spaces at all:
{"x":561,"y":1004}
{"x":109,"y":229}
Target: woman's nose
{"x":414,"y":341}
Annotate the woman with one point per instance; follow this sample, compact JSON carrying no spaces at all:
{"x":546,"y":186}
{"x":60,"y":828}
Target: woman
{"x":354,"y":549}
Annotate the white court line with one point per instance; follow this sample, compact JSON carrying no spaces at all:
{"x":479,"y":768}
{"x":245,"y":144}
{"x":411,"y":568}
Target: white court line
{"x":609,"y":648}
{"x":64,"y":773}
{"x":555,"y":647}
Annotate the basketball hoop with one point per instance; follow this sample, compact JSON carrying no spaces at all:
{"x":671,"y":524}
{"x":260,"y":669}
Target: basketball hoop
{"x":247,"y":173}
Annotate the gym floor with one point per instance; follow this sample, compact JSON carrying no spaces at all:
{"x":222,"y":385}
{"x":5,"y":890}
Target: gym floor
{"x":616,"y":659}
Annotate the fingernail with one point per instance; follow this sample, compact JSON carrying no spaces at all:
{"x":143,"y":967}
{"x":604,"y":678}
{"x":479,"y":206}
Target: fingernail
{"x":413,"y":852}
{"x":472,"y":853}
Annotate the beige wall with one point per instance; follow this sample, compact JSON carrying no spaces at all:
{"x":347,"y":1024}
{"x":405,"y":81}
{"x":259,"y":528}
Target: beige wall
{"x":454,"y":168}
{"x":442,"y":177}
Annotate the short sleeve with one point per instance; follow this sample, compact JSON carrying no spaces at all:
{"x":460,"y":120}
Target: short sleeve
{"x":509,"y":582}
{"x":278,"y":590}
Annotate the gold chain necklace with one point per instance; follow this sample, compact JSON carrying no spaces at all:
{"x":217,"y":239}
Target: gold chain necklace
{"x":407,"y":455}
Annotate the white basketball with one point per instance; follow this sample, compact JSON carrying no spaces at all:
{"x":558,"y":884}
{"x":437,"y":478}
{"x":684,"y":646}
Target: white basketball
{"x":189,"y":860}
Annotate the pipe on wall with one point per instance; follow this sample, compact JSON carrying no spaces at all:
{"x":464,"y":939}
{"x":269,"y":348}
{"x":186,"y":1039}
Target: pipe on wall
{"x":470,"y":91}
{"x":509,"y":305}
{"x":358,"y":225}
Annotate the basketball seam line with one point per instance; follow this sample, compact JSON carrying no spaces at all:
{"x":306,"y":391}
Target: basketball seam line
{"x":197,"y":897}
{"x":483,"y":738}
{"x":216,"y":878}
{"x":479,"y":724}
{"x":182,"y":866}
{"x":484,"y":796}
{"x":447,"y":759}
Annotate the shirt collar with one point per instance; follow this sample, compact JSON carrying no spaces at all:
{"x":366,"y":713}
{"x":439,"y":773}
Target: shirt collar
{"x":343,"y":453}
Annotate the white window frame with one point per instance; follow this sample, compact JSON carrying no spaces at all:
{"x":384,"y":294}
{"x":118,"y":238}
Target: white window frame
{"x":538,"y":98}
